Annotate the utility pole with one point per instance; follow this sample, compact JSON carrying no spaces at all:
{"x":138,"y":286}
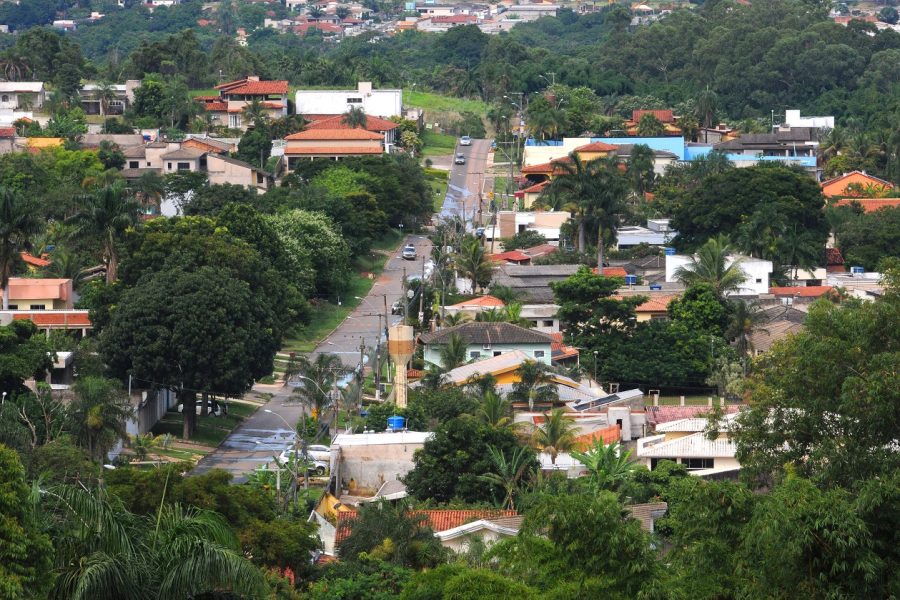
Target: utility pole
{"x":362,"y":364}
{"x":378,"y":362}
{"x":422,"y":294}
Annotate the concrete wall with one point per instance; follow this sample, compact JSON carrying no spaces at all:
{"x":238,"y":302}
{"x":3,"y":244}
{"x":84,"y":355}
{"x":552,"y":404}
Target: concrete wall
{"x":461,"y":544}
{"x":364,"y":468}
{"x":757,"y":272}
{"x":379,"y":103}
{"x":222,"y":172}
{"x":150,"y":406}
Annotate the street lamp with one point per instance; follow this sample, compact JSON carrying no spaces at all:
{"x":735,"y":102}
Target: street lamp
{"x":296,"y":458}
{"x":595,"y":365}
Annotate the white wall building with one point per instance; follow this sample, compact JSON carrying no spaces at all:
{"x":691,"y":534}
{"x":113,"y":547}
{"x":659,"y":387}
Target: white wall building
{"x":685,"y":442}
{"x":656,"y":233}
{"x":755,"y":270}
{"x":378,"y":103}
{"x":793,"y":118}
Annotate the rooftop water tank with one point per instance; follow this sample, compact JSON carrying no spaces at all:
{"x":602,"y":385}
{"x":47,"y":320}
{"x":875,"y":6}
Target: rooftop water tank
{"x":396,"y":423}
{"x":670,"y":251}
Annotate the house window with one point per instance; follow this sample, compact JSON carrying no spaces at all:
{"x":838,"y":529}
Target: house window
{"x":659,"y":317}
{"x":693,"y":464}
{"x":184,"y":166}
{"x":148,"y":163}
{"x":474,"y":354}
{"x":548,"y":322}
{"x":234,"y":121}
{"x":170,"y":166}
{"x":539,"y":354}
{"x":5,"y":98}
{"x":758,"y":280}
{"x":133,"y":164}
{"x":497,"y":353}
{"x":534,"y":323}
{"x":38,"y":307}
{"x":354,"y":100}
{"x":13,"y":307}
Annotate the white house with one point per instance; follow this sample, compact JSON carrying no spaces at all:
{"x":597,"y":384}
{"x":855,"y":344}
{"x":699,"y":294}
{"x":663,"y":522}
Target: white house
{"x":380,"y":103}
{"x":685,"y":441}
{"x":656,"y":233}
{"x":15,"y":95}
{"x":756,"y":271}
{"x":793,"y":119}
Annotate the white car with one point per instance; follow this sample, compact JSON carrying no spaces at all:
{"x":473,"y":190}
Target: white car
{"x":314,"y":467}
{"x":409,"y":252}
{"x":315,"y":452}
{"x":465,"y":141}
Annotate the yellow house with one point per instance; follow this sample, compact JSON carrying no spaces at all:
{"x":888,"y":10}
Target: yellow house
{"x":40,"y":294}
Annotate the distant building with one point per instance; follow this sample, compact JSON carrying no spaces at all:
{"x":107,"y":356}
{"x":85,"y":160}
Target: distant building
{"x":756,"y":272}
{"x":121,"y":97}
{"x":384,"y":103}
{"x":656,"y":233}
{"x":228,"y":107}
{"x":26,"y":293}
{"x":485,"y":339}
{"x":792,"y":118}
{"x":686,"y":442}
{"x":854,"y":185}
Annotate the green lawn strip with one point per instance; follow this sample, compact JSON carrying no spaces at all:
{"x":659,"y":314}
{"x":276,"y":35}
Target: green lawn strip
{"x":210,"y":430}
{"x":437,"y":102}
{"x":676,"y":400}
{"x":437,"y":144}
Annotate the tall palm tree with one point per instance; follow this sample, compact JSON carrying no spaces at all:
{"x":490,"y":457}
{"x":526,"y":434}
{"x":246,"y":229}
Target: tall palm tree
{"x":354,"y":117}
{"x":104,"y":93}
{"x":707,"y":103}
{"x":97,"y":415}
{"x":149,"y":189}
{"x":608,"y":465}
{"x":491,"y":315}
{"x":512,"y":313}
{"x":317,"y":377}
{"x":508,"y":472}
{"x":18,"y":223}
{"x":506,"y":294}
{"x":474,"y":264}
{"x":453,"y":353}
{"x":556,"y":434}
{"x":255,"y":113}
{"x":107,"y":553}
{"x":709,"y":266}
{"x":535,"y":385}
{"x":455,"y":319}
{"x":104,"y":215}
{"x":640,"y":169}
{"x":495,"y":411}
{"x":798,"y":249}
{"x":746,"y":320}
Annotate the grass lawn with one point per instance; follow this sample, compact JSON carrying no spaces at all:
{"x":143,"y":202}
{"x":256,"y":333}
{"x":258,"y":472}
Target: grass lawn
{"x":326,"y":315}
{"x":210,"y":430}
{"x":437,"y":144}
{"x":437,"y":102}
{"x":676,"y":400}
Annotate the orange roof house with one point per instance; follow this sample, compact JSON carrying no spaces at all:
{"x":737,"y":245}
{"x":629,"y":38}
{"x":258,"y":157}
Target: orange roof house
{"x":515,"y":257}
{"x":810,"y":291}
{"x":479,"y":302}
{"x":331,"y":143}
{"x":34,"y":261}
{"x":870,"y":204}
{"x":40,"y":294}
{"x":844,"y":185}
{"x":235,"y":96}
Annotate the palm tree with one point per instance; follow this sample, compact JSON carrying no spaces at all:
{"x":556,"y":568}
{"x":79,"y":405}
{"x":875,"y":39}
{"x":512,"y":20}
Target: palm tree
{"x":650,"y":126}
{"x":640,"y":169}
{"x":608,"y":465}
{"x":105,"y":215}
{"x":254,"y":112}
{"x":317,"y":377}
{"x":491,"y":315}
{"x":709,"y":266}
{"x":149,"y":189}
{"x":98,"y":414}
{"x":506,"y":294}
{"x":104,"y":93}
{"x":707,"y":103}
{"x":18,"y":223}
{"x":798,"y":249}
{"x":746,"y":320}
{"x":452,"y":320}
{"x":535,"y":385}
{"x":453,"y":353}
{"x":495,"y":411}
{"x":474,"y":264}
{"x":342,"y":12}
{"x":107,"y":553}
{"x":508,"y":473}
{"x":354,"y":118}
{"x":556,"y":434}
{"x":513,"y":314}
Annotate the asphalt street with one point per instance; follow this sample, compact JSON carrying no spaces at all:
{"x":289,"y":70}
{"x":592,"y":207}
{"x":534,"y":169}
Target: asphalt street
{"x":269,"y":430}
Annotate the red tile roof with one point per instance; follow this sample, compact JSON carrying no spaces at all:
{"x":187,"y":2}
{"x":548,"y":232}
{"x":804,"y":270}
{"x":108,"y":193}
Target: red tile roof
{"x":7,"y":132}
{"x":323,"y":27}
{"x":438,"y":520}
{"x":608,"y":435}
{"x":535,"y":189}
{"x":665,"y":414}
{"x":612,"y":271}
{"x":874,"y":180}
{"x":810,"y":291}
{"x":547,"y":167}
{"x":357,"y":133}
{"x":833,"y":256}
{"x":540,"y":250}
{"x":332,"y":150}
{"x":655,"y":304}
{"x":596,"y":147}
{"x":34,"y":261}
{"x":455,"y":19}
{"x":216,"y":106}
{"x":664,"y":116}
{"x":258,"y":88}
{"x":74,"y":320}
{"x":870,"y":204}
{"x":511,"y":256}
{"x":483,"y":301}
{"x":337,"y":122}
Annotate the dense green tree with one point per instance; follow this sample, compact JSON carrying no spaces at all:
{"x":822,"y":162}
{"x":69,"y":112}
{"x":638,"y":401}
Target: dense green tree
{"x":822,"y":401}
{"x":710,"y":268}
{"x":98,"y":414}
{"x":23,"y":354}
{"x":608,"y":465}
{"x":165,"y":339}
{"x":451,"y":462}
{"x":279,"y":543}
{"x":524,"y":239}
{"x":700,"y":308}
{"x":868,"y":238}
{"x":105,"y":215}
{"x":26,"y":553}
{"x":210,"y":200}
{"x":393,"y":533}
{"x":18,"y":223}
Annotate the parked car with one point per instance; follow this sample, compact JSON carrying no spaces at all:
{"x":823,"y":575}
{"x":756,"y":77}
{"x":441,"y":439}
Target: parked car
{"x":479,"y":232}
{"x":409,"y":252}
{"x":215,"y":410}
{"x":465,"y":141}
{"x":397,"y":308}
{"x":460,"y":159}
{"x":317,"y":467}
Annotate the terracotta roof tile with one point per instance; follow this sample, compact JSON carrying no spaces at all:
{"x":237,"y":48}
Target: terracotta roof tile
{"x":608,"y":435}
{"x":596,"y":147}
{"x":75,"y":320}
{"x":480,"y":301}
{"x":870,"y":204}
{"x":511,"y":256}
{"x":833,"y":256}
{"x":664,"y":414}
{"x":811,"y":291}
{"x":258,"y":88}
{"x":34,"y":261}
{"x":7,"y":132}
{"x":612,"y":271}
{"x":332,"y":150}
{"x":438,"y":520}
{"x":337,"y":122}
{"x":664,"y":116}
{"x":335,"y":134}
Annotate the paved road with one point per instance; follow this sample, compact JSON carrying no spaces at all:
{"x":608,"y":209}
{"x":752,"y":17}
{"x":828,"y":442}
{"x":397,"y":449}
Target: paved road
{"x":467,"y":183}
{"x":266,"y":433}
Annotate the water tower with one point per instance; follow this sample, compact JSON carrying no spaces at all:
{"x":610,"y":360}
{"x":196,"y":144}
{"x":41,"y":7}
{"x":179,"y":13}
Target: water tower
{"x":401,"y":345}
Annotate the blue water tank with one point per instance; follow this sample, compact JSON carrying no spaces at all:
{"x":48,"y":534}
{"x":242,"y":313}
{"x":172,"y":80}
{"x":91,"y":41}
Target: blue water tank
{"x":396,"y":422}
{"x":670,"y":251}
{"x":631,"y":280}
{"x":857,"y":270}
{"x":655,"y":286}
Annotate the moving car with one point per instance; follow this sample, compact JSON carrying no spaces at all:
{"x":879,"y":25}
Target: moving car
{"x":397,"y":308}
{"x":465,"y":141}
{"x":409,"y":252}
{"x":214,"y":410}
{"x":460,"y":159}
